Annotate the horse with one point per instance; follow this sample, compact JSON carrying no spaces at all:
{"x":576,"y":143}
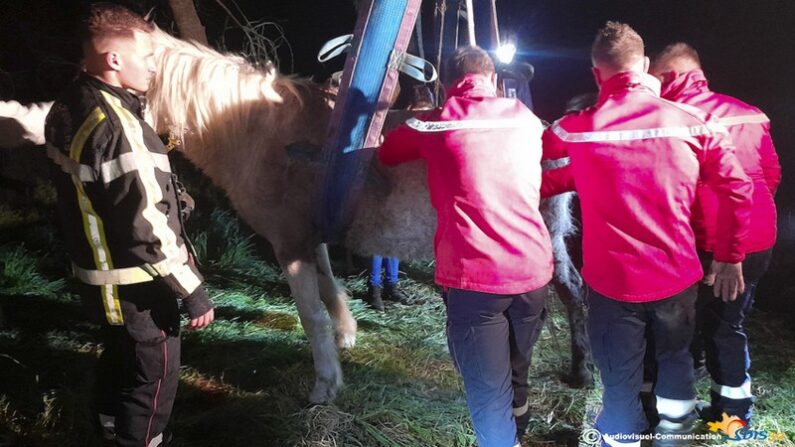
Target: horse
{"x":257,"y":135}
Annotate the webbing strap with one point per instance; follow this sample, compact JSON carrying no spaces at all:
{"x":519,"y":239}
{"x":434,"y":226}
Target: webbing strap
{"x":335,"y":47}
{"x":418,"y":68}
{"x":413,"y":66}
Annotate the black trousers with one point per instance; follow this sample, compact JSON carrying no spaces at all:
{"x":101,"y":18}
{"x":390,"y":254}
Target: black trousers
{"x":138,"y":371}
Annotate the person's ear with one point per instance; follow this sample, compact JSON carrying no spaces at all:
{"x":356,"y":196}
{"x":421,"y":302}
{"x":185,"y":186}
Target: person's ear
{"x":113,"y":60}
{"x":646,"y":64}
{"x":667,"y":77}
{"x":494,"y":78}
{"x":597,"y":76}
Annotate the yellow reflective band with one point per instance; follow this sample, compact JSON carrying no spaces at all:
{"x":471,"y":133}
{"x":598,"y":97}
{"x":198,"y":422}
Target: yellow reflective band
{"x":92,"y":223}
{"x":110,"y":300}
{"x":79,"y":141}
{"x":153,"y":194}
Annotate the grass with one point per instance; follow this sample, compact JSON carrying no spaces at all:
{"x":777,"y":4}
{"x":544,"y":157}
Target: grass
{"x":245,"y":378}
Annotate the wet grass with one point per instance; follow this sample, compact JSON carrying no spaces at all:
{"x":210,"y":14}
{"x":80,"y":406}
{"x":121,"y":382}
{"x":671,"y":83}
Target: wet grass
{"x":245,"y":378}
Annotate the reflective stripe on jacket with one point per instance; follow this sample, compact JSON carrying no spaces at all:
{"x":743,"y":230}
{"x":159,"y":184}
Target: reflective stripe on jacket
{"x":483,"y":155}
{"x":118,"y":208}
{"x":750,"y":132}
{"x":635,"y":162}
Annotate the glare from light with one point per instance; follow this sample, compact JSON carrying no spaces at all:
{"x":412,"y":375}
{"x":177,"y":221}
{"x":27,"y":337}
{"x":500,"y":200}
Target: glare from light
{"x":506,"y":52}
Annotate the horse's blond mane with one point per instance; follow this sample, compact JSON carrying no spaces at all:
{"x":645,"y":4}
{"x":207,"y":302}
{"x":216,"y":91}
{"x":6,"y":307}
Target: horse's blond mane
{"x":196,"y":86}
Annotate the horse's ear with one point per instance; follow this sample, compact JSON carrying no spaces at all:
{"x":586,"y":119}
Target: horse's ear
{"x":149,"y":17}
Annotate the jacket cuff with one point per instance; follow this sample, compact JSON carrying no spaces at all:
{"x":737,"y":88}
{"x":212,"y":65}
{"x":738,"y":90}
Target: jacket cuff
{"x":197,"y":303}
{"x":729,"y":258}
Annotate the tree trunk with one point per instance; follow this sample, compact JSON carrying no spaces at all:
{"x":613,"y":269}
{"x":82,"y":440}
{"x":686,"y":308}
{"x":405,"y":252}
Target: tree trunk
{"x":190,"y":27}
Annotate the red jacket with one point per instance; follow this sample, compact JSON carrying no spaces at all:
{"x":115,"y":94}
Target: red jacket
{"x":635,"y":163}
{"x":750,"y":131}
{"x":483,"y":155}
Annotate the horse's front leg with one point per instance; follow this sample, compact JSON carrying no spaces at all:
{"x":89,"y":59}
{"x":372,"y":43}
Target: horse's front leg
{"x":336,"y":300}
{"x":302,"y":278}
{"x":571,"y":293}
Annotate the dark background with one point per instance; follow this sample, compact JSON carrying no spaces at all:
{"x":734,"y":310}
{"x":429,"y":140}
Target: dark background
{"x":746,"y":48}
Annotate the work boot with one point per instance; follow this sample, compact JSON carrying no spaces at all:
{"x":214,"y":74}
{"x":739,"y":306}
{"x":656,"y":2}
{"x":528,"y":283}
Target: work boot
{"x":706,"y":412}
{"x":670,"y":429}
{"x":392,"y":293}
{"x":373,"y":298}
{"x":107,"y":428}
{"x":522,"y":422}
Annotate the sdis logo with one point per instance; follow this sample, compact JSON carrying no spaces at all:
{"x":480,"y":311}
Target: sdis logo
{"x":735,"y":429}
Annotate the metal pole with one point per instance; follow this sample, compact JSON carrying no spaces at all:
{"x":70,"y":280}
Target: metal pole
{"x":418,"y":30}
{"x":440,"y":12}
{"x":495,"y":27}
{"x":471,"y":23}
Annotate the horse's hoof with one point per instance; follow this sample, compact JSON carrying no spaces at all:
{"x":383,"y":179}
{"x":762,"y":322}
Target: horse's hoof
{"x":346,"y":340}
{"x":324,"y":391}
{"x":581,"y":379}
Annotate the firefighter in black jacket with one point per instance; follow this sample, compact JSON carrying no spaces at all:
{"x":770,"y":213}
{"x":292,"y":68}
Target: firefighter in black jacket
{"x":120,"y":214}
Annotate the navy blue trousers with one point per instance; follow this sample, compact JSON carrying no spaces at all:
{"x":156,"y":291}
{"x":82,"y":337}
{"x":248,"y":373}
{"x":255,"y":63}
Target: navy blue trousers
{"x":491,"y":340}
{"x":721,"y":332}
{"x":617,"y":331}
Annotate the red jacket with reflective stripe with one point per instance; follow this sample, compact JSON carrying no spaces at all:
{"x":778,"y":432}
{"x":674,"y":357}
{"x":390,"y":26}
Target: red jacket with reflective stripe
{"x":750,"y":131}
{"x":483,"y":155}
{"x":635,"y":163}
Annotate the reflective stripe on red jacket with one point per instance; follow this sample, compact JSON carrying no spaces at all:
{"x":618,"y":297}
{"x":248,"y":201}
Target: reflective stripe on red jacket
{"x":635,"y":163}
{"x":483,"y":155}
{"x":750,"y":131}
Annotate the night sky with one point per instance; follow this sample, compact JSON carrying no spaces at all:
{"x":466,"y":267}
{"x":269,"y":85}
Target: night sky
{"x":747,"y":50}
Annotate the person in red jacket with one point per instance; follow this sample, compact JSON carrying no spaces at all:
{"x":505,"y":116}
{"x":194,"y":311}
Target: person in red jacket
{"x":721,"y":321}
{"x":635,"y":161}
{"x":493,"y":252}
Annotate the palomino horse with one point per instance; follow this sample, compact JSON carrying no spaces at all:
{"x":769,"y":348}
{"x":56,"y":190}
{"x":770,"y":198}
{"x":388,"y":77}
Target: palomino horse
{"x":238,"y":123}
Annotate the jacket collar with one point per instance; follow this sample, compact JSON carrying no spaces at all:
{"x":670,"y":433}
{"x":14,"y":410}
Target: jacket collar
{"x":626,"y":81}
{"x":692,"y":81}
{"x":128,"y":100}
{"x":472,"y":85}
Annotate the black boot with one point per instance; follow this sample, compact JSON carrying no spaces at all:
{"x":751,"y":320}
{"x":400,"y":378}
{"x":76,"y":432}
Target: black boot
{"x":521,"y":424}
{"x":373,"y":298}
{"x":706,"y":412}
{"x":673,"y":431}
{"x":392,"y":293}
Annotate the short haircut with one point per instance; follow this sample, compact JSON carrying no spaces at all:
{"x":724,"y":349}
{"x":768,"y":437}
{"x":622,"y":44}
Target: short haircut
{"x":674,"y":54}
{"x":617,"y":46}
{"x":107,"y":20}
{"x":467,"y":60}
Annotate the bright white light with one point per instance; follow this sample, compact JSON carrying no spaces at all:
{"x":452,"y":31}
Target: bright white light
{"x":506,"y":52}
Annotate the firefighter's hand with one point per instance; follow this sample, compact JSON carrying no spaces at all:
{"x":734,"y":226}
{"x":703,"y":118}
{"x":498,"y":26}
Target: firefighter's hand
{"x":726,"y":279}
{"x":202,"y":321}
{"x":200,"y":309}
